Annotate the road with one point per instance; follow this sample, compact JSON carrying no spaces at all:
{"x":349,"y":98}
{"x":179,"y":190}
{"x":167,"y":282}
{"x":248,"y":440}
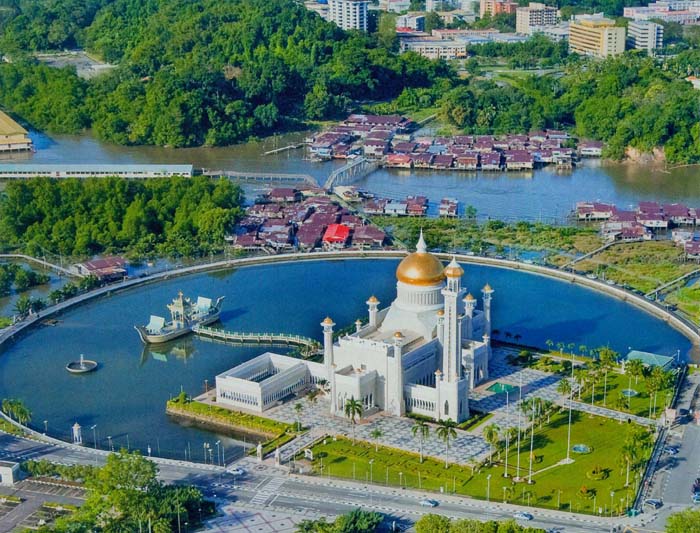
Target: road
{"x":675,"y":474}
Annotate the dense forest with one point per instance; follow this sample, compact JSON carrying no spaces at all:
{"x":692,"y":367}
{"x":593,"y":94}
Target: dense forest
{"x":187,"y":216}
{"x":193,"y":73}
{"x":625,"y":101}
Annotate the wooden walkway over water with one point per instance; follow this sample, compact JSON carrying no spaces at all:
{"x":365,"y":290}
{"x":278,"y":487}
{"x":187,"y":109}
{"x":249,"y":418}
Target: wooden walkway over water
{"x":267,"y":177}
{"x":258,"y":338}
{"x":661,"y":288}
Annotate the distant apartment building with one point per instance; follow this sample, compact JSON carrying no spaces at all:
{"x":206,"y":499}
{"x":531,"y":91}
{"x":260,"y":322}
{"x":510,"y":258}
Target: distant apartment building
{"x":496,"y":7}
{"x":395,"y":6}
{"x":682,"y":12}
{"x":411,"y":22}
{"x":535,"y":15}
{"x":595,"y":35}
{"x":348,"y":14}
{"x":557,"y":33}
{"x":645,"y":35}
{"x":435,"y":49}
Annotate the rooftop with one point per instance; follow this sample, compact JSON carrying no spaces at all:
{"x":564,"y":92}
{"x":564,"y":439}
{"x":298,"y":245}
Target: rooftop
{"x":9,"y":127}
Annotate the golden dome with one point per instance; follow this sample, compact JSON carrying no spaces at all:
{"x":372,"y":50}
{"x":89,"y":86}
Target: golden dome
{"x":373,"y":300}
{"x":469,"y":298}
{"x":440,"y":312}
{"x":487,"y":288}
{"x":420,"y":267}
{"x":398,"y":335}
{"x":453,"y":270}
{"x":327,"y":321}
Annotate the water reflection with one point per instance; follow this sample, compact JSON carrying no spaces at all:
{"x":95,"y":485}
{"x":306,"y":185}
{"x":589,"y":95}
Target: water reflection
{"x":181,"y":349}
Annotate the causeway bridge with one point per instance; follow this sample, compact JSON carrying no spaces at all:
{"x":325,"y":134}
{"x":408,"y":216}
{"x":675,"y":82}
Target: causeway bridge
{"x":261,"y":177}
{"x":312,"y":345}
{"x":351,"y":172}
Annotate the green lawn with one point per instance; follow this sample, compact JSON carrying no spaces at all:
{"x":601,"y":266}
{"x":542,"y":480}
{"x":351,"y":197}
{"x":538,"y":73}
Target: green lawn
{"x":636,"y":405}
{"x":688,"y":301}
{"x":560,"y":486}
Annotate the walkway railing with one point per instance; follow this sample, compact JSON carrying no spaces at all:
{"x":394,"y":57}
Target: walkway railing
{"x":258,"y":338}
{"x":46,"y":264}
{"x":353,"y":171}
{"x":671,"y":283}
{"x":590,"y":254}
{"x":261,"y":176}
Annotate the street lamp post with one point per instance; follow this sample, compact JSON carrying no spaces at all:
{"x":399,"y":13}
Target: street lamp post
{"x":505,"y":473}
{"x":504,"y":494}
{"x":571,"y":399}
{"x":371,"y":477}
{"x":109,"y":439}
{"x":94,"y":436}
{"x":612,"y":495}
{"x":46,"y":427}
{"x":520,"y":401}
{"x":217,"y":451}
{"x":558,"y":499}
{"x":488,"y":488}
{"x":400,"y":479}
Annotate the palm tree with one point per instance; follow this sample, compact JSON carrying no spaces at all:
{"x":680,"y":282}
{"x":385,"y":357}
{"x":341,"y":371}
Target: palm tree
{"x":627,"y":457}
{"x":421,"y":430}
{"x":352,"y":409}
{"x":492,"y":434}
{"x":580,"y":375}
{"x":312,"y":395}
{"x":376,"y":434}
{"x":607,"y":360}
{"x":549,"y":343}
{"x":17,"y":410}
{"x":564,"y":387}
{"x":298,"y":408}
{"x":635,"y":369}
{"x":445,"y":432}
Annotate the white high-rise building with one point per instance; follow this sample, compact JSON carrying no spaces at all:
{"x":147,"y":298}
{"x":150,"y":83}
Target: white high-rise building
{"x":645,"y":35}
{"x":348,"y":14}
{"x":535,"y":15}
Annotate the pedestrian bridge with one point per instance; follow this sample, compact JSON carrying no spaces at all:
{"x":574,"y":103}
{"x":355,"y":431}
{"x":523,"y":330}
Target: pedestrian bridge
{"x":311,"y":346}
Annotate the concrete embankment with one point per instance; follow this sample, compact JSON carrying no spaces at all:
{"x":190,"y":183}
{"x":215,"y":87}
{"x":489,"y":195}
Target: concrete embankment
{"x":212,"y":422}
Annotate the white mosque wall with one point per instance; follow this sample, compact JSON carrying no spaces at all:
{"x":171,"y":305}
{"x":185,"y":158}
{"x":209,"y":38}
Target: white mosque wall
{"x":420,"y":399}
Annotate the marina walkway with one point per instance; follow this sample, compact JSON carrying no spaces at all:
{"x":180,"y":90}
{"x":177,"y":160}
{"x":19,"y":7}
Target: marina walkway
{"x":258,"y":338}
{"x":261,"y":176}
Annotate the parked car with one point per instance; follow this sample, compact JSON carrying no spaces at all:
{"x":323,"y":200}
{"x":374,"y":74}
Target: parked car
{"x":654,"y":503}
{"x":672,"y":450}
{"x":696,"y":498}
{"x":521,"y":515}
{"x":428,"y":503}
{"x":236,"y":471}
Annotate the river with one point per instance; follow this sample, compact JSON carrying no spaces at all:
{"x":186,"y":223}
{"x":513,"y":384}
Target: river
{"x":125,"y":398}
{"x":545,"y":194}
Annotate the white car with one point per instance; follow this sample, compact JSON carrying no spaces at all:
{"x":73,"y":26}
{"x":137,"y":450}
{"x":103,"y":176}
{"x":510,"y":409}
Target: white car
{"x":520,"y":515}
{"x":236,"y":471}
{"x":428,"y":503}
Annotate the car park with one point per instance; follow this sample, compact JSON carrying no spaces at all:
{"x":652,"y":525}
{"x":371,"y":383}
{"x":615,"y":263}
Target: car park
{"x":521,"y":515}
{"x":428,"y":503}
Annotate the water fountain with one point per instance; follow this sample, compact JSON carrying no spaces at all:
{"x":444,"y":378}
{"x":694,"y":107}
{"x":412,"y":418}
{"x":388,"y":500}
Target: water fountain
{"x":82,"y":366}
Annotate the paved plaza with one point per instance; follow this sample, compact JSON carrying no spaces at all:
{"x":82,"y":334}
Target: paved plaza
{"x":238,"y":519}
{"x":396,"y":432}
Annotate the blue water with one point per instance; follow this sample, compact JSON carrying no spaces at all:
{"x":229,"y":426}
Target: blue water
{"x":127,"y":394}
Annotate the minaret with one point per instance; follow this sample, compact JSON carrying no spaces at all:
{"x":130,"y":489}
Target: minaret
{"x":373,"y":305}
{"x":327,"y":325}
{"x":398,"y":369}
{"x":487,"y":291}
{"x":441,"y":326}
{"x":334,"y":394}
{"x":438,"y":386}
{"x":358,"y":325}
{"x":452,"y":336}
{"x":469,"y":306}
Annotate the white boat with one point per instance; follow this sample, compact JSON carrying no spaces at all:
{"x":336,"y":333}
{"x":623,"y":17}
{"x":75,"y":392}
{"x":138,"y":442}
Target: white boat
{"x":184,"y":315}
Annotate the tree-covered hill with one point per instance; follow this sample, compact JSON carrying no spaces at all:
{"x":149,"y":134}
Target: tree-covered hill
{"x":209,"y":72}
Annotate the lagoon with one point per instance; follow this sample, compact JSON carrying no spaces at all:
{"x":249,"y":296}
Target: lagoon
{"x":126,"y":397}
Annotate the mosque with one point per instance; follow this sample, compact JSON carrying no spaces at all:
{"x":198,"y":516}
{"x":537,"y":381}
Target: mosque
{"x":421,"y":354}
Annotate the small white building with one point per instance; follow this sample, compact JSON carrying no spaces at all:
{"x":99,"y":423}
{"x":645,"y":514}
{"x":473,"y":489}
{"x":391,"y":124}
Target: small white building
{"x":9,"y":473}
{"x":645,"y":35}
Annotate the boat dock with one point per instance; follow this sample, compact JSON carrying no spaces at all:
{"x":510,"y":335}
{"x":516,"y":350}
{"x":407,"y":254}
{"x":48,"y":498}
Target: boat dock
{"x":258,"y":338}
{"x":285,"y":148}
